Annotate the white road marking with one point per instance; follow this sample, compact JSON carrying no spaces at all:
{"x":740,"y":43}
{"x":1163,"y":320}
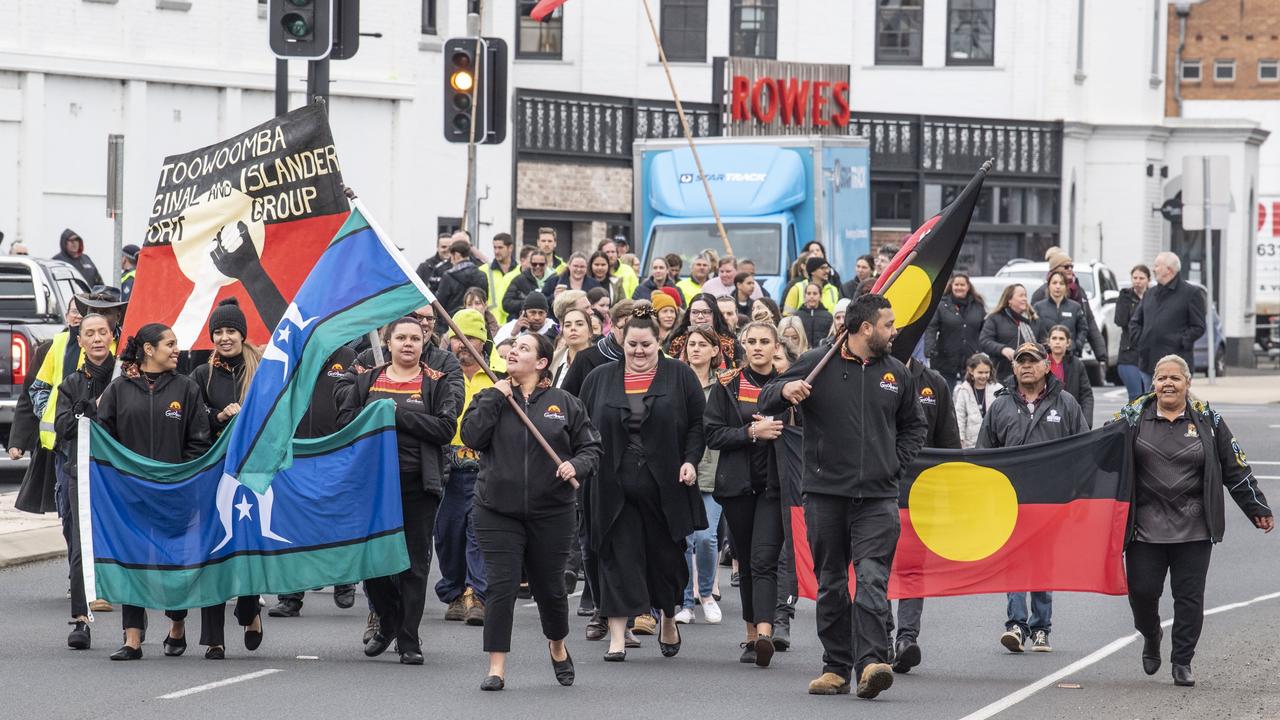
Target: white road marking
{"x":1268,"y":477}
{"x":1264,"y":462}
{"x":535,"y":604}
{"x":1273,"y":427}
{"x":1102,"y":653}
{"x":1117,"y":394}
{"x":308,"y":657}
{"x":218,"y":684}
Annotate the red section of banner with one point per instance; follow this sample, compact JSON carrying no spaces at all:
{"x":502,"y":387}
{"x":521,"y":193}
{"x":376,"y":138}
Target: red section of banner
{"x":544,"y":9}
{"x":289,"y":250}
{"x":1075,"y":546}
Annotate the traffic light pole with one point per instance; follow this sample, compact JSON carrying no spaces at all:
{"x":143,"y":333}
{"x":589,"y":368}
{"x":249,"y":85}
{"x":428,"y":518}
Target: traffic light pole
{"x":317,"y":80}
{"x":282,"y":86}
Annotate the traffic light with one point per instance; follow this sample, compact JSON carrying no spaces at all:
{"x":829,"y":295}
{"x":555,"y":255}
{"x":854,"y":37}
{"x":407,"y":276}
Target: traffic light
{"x":301,"y":28}
{"x":475,"y":69}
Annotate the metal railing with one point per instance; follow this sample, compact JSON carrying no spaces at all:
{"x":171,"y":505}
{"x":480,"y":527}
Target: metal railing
{"x":600,"y":126}
{"x":960,"y":145}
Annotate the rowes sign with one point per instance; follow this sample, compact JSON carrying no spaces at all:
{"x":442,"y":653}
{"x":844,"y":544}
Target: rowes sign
{"x":768,"y":97}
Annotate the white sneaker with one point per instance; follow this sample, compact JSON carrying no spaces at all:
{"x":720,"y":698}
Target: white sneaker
{"x":685,"y":616}
{"x":711,"y":611}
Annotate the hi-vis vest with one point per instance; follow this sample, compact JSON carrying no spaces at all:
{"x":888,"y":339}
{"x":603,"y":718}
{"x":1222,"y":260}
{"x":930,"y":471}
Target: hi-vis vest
{"x":795,"y":296}
{"x":50,"y":373}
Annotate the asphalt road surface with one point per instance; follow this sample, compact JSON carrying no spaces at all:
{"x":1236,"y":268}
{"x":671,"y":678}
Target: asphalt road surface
{"x":313,"y":666}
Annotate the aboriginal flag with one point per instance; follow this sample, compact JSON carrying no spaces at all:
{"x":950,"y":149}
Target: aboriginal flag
{"x":917,"y":277}
{"x":1049,"y":516}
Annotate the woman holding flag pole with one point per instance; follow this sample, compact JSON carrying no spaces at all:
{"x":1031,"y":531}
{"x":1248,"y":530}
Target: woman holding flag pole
{"x":525,"y":512}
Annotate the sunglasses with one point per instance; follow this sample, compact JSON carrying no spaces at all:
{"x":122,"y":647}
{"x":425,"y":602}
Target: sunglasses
{"x":425,"y":318}
{"x":534,"y":264}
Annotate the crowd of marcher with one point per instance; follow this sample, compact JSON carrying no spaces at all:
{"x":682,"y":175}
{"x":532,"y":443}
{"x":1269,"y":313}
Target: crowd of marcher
{"x":688,"y":415}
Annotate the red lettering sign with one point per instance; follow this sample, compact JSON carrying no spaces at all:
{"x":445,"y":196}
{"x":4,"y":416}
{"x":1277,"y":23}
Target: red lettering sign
{"x":767,"y":114}
{"x":795,"y":98}
{"x":817,"y":103}
{"x":741,"y":86}
{"x":819,"y":100}
{"x":840,"y":94}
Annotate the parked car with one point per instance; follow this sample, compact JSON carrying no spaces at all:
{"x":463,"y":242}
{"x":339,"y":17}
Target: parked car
{"x":1100,"y":288}
{"x":34,"y":297}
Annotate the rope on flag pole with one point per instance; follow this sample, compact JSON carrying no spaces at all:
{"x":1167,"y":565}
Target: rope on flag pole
{"x":475,"y":354}
{"x":684,"y":125}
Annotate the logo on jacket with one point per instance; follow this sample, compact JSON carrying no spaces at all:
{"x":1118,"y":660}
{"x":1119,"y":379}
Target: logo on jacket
{"x":1191,"y":430}
{"x":1053,"y":416}
{"x":889,"y":382}
{"x":415,"y":398}
{"x":336,"y":370}
{"x":553,"y":413}
{"x":174,"y":411}
{"x":926,"y":396}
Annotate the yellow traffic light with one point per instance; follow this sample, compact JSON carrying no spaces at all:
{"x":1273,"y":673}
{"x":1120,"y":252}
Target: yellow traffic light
{"x":461,"y":81}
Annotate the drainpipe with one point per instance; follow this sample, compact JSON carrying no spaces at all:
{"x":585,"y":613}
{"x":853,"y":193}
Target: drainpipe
{"x":1183,"y":8}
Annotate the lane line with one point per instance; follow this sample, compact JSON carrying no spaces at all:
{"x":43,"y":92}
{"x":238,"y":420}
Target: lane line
{"x":218,"y":684}
{"x":535,"y":604}
{"x":1268,"y":477}
{"x":1264,"y":462}
{"x":1102,"y":653}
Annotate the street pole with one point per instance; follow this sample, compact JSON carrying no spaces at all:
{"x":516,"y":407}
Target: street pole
{"x":115,"y":200}
{"x":1208,"y":276}
{"x":470,"y":214}
{"x":282,"y":86}
{"x":317,"y":80}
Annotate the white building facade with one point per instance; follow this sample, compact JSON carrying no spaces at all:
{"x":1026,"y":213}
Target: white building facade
{"x":1070,"y":92}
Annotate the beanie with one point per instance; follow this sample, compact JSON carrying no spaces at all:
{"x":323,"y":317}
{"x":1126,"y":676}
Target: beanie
{"x":662,"y":300}
{"x":228,"y":315}
{"x":813,"y":264}
{"x":535,"y":301}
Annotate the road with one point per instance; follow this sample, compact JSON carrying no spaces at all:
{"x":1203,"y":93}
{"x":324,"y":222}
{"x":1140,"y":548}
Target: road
{"x":319,"y":670}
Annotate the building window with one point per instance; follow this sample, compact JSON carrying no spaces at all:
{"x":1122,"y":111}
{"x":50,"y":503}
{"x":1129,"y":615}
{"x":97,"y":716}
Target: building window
{"x":753,"y":28}
{"x":428,"y":17}
{"x":538,"y":39}
{"x":893,"y":204}
{"x":898,"y":31}
{"x":1268,"y":70}
{"x":684,"y":30}
{"x":971,"y":32}
{"x":1224,"y":70}
{"x":1190,"y":71}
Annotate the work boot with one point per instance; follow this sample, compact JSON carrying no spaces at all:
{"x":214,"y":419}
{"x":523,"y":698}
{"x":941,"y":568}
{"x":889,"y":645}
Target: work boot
{"x":645,"y":625}
{"x":286,"y":607}
{"x":782,"y":636}
{"x":457,"y":610}
{"x":875,"y":679}
{"x":475,"y":609}
{"x":829,"y":684}
{"x":344,"y":596}
{"x":370,"y":628}
{"x":906,"y":655}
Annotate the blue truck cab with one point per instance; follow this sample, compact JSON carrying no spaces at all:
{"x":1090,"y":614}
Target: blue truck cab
{"x":774,"y":194}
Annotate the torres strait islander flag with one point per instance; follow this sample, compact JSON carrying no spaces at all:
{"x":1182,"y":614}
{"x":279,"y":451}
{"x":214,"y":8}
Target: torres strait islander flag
{"x":927,"y":259}
{"x":247,"y":217}
{"x":1049,"y":516}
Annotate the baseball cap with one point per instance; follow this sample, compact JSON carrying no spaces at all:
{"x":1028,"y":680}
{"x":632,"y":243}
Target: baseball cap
{"x":1030,"y":348}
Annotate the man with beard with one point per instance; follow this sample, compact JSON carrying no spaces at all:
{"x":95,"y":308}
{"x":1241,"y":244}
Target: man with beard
{"x":863,"y":426}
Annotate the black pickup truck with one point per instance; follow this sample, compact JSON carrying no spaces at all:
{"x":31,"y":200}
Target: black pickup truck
{"x":34,"y":297}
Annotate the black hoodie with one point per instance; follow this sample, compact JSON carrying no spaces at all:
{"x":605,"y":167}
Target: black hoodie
{"x":80,"y":262}
{"x":78,"y":395}
{"x":219,"y":383}
{"x":163,"y":420}
{"x":459,"y":278}
{"x":606,"y":350}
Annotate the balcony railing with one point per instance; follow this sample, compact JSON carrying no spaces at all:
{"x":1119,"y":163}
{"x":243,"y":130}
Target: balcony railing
{"x":600,"y":126}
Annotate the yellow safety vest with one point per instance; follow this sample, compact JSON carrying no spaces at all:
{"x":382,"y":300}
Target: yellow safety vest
{"x":795,"y":296}
{"x":689,"y":287}
{"x":628,"y":278}
{"x":471,"y":386}
{"x":498,"y":283}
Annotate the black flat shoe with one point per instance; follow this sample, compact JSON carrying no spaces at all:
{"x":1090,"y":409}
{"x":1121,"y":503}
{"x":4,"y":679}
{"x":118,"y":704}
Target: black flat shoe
{"x":127,"y":653}
{"x":565,"y":674}
{"x":493,"y":682}
{"x":1182,"y":676}
{"x":412,"y":657}
{"x":174,"y":648}
{"x":377,"y":645}
{"x":764,"y":650}
{"x":1151,"y":653}
{"x":344,"y":596}
{"x":670,"y":650}
{"x":215,"y":652}
{"x":79,"y":638}
{"x":616,"y":656}
{"x":253,"y":638}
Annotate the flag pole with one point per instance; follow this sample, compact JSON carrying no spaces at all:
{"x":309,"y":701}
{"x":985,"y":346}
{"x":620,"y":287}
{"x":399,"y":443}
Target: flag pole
{"x":684,"y":125}
{"x":475,"y":355}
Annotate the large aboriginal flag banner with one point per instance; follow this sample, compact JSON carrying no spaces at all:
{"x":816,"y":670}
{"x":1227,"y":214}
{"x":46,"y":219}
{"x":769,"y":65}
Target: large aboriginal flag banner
{"x":917,"y":277}
{"x":247,"y":217}
{"x":1049,"y":516}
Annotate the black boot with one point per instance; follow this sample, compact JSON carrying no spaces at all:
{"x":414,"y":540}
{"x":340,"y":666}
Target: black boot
{"x":1182,"y":676}
{"x":1151,"y":654}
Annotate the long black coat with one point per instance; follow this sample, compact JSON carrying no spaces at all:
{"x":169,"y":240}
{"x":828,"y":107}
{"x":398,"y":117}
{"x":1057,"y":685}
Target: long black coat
{"x":673,"y":435}
{"x":1168,"y":321}
{"x":816,"y":323}
{"x":1000,"y":331}
{"x":1070,"y":315}
{"x":952,"y":336}
{"x":1125,"y":305}
{"x":35,"y":494}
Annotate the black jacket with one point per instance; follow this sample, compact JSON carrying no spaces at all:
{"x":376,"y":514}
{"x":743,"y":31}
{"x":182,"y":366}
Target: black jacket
{"x":953,"y":335}
{"x":78,"y":395}
{"x":432,"y":270}
{"x":1078,"y":386}
{"x":456,"y":281}
{"x":933,"y":392}
{"x":1168,"y":321}
{"x":1224,"y":466}
{"x":549,"y":287}
{"x":727,"y":417}
{"x":1000,"y":331}
{"x":1008,"y":422}
{"x":863,"y":425}
{"x":520,"y":287}
{"x":1125,"y":305}
{"x":35,"y":494}
{"x":816,"y":323}
{"x":82,"y":262}
{"x":433,"y":426}
{"x":605,"y":350}
{"x":516,"y":476}
{"x":165,"y":422}
{"x":322,"y":414}
{"x":1068,"y":314}
{"x":672,"y":432}
{"x":1076,"y":293}
{"x":219,"y":386}
{"x":646,"y":289}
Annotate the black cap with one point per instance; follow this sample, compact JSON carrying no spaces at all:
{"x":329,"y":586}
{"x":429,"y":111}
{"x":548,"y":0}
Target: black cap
{"x":131,"y":252}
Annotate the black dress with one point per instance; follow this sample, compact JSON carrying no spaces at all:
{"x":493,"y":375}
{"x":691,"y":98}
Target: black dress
{"x":640,"y":512}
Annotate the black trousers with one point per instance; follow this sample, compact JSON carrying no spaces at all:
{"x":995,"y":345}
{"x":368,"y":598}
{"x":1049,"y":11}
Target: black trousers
{"x":1187,"y":565}
{"x":755,"y":523}
{"x":864,"y":533}
{"x":541,"y":546}
{"x":400,"y":599}
{"x":909,"y":612}
{"x":213,"y":619}
{"x":133,"y":617}
{"x":640,"y":566}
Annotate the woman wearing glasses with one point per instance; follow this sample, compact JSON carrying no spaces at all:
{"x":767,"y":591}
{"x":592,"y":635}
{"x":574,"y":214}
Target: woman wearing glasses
{"x":703,"y":310}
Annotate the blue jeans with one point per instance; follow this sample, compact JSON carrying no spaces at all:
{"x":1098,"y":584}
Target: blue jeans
{"x":458,"y":553}
{"x":1041,"y":612}
{"x":1135,"y":381}
{"x":702,"y":543}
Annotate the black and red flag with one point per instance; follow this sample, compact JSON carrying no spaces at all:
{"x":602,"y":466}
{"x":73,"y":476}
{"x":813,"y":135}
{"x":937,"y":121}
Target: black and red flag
{"x":1049,"y":516}
{"x":917,"y":277}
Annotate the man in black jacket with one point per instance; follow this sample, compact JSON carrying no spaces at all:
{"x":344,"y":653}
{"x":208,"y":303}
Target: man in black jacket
{"x":461,"y":276}
{"x":1170,"y":318}
{"x":933,"y":392}
{"x":432,"y":269}
{"x":863,"y":425}
{"x":1035,"y":411}
{"x":529,"y":280}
